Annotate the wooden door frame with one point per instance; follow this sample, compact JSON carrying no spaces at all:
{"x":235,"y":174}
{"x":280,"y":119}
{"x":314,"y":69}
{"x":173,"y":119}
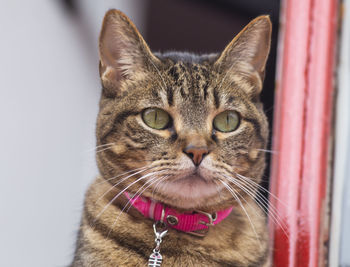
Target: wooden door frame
{"x":302,"y":131}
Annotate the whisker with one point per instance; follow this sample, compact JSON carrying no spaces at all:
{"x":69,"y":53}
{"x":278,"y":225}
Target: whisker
{"x":233,"y":193}
{"x":269,"y":109}
{"x":104,"y":149}
{"x":138,"y":170}
{"x":254,"y":187}
{"x":96,"y":147}
{"x":158,"y":184}
{"x":138,"y":193}
{"x":263,"y":203}
{"x":266,"y":151}
{"x":134,"y":160}
{"x":159,"y":181}
{"x":273,"y":212}
{"x":249,"y":193}
{"x":121,"y":192}
{"x":249,"y":180}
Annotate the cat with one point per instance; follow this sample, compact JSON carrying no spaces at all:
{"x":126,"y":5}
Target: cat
{"x":180,"y":139}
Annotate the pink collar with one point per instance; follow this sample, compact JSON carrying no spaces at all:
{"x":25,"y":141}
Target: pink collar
{"x":196,"y":223}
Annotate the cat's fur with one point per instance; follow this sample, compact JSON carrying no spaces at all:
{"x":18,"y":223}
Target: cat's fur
{"x":193,"y":90}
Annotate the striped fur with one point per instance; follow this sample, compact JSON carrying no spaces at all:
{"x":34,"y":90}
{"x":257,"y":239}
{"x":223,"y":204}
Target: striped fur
{"x":193,"y":89}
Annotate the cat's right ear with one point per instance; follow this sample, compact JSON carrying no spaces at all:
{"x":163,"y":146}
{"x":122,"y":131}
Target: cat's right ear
{"x":124,"y":55}
{"x":247,"y":54}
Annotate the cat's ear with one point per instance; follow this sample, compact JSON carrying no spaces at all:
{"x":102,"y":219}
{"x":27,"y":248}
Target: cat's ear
{"x":123,"y":52}
{"x":247,"y":53}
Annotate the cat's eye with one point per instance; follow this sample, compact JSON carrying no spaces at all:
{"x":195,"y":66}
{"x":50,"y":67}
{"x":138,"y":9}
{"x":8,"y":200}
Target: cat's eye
{"x":226,"y":121}
{"x":156,"y":118}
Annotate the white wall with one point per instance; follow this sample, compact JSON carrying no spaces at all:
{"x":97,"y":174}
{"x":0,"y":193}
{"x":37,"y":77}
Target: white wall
{"x":49,"y":90}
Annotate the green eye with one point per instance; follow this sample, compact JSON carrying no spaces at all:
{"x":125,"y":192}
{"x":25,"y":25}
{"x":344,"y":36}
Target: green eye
{"x":226,"y":121}
{"x":156,"y":118}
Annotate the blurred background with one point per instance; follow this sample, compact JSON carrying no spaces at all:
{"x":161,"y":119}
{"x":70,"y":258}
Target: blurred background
{"x":49,"y":101}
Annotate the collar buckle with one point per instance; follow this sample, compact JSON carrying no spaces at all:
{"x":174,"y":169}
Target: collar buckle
{"x":211,"y":218}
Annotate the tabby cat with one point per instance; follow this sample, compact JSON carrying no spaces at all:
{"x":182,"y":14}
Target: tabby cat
{"x":180,"y":147}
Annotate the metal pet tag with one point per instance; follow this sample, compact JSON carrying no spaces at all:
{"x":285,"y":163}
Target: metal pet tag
{"x":155,"y":259}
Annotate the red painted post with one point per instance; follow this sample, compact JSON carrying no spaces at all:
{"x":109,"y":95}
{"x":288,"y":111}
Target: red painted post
{"x":301,"y":133}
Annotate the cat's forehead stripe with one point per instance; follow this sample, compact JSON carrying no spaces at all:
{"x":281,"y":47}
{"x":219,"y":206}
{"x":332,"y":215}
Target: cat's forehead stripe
{"x":216,"y":97}
{"x":170,"y":95}
{"x":189,"y":80}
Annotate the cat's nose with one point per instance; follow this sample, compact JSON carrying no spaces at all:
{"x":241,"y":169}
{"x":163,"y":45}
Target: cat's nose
{"x":196,"y":153}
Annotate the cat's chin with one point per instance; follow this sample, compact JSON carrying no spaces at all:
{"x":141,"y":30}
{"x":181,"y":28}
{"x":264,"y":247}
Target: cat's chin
{"x":191,"y":192}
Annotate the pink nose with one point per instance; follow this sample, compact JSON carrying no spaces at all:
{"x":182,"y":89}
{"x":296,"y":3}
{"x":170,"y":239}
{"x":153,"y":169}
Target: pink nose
{"x":196,"y":153}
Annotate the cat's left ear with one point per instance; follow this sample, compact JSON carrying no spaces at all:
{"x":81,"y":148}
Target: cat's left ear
{"x":247,"y":53}
{"x":124,"y":55}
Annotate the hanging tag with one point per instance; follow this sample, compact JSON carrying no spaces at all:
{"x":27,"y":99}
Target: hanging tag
{"x":155,"y":259}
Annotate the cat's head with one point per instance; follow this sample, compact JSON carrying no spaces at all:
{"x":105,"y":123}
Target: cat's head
{"x":181,"y":128}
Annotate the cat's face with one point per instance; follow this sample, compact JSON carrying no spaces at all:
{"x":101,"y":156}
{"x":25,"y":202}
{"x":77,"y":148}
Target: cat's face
{"x":186,"y":130}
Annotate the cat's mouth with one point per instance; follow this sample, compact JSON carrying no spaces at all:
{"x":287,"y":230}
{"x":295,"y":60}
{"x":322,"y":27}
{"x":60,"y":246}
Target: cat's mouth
{"x":195,"y":177}
{"x":191,"y":191}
